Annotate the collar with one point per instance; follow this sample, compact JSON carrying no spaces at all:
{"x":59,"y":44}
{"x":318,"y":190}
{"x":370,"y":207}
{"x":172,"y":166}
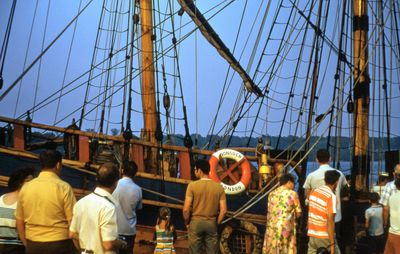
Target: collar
{"x":49,"y":174}
{"x":101,"y":192}
{"x":325,"y":167}
{"x":127,"y":178}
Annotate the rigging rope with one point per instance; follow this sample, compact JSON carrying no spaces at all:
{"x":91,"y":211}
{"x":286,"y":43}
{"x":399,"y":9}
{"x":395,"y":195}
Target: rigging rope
{"x":40,"y":60}
{"x":385,"y":84}
{"x":26,"y":57}
{"x":67,"y":64}
{"x":4,"y":46}
{"x":42,"y":53}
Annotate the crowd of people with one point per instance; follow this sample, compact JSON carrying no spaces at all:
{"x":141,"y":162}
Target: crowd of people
{"x":328,"y":228}
{"x":41,"y":215}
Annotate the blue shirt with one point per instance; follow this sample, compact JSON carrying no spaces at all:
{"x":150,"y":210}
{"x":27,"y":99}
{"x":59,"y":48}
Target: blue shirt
{"x":375,"y":218}
{"x":129,"y":196}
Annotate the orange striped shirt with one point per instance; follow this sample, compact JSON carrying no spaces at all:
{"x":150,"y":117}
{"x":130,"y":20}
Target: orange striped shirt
{"x":322,"y":201}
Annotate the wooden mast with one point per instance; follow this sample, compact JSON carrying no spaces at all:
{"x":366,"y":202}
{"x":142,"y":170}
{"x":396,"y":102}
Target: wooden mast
{"x":148,"y":83}
{"x":361,"y":96}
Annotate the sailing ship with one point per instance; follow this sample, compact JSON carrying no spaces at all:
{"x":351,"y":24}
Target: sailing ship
{"x":156,"y":74}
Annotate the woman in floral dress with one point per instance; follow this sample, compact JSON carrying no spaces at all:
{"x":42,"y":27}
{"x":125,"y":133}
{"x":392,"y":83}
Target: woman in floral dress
{"x":283,"y":211}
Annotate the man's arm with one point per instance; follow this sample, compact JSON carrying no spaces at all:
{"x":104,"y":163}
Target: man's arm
{"x":69,"y":203}
{"x":385,"y":216}
{"x":222,"y":210}
{"x":308,"y":192}
{"x":21,"y":230}
{"x":75,"y":239}
{"x":331,"y":231}
{"x":387,"y":191}
{"x":186,"y":209}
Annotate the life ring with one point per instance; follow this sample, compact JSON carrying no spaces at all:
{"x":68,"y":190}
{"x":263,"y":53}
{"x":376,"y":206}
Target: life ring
{"x":247,"y":226}
{"x":239,"y":185}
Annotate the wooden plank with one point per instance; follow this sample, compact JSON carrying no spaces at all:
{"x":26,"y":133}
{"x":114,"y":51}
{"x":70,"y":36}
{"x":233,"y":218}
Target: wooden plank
{"x":84,"y":150}
{"x":136,"y":154}
{"x":184,"y":166}
{"x":100,"y":136}
{"x":19,"y":137}
{"x":79,"y":166}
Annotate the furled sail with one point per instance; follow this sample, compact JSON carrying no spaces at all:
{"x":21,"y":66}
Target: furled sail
{"x":212,"y":37}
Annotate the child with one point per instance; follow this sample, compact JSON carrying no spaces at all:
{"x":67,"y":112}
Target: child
{"x":374,"y":224}
{"x":165,"y":232}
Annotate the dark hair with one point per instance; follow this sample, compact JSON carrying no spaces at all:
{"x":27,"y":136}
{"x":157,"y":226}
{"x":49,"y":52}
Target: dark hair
{"x":164,"y":213}
{"x":17,"y":178}
{"x":203,"y":165}
{"x":286,"y":178}
{"x":374,"y":197}
{"x":323,"y":156}
{"x":130,"y":169}
{"x":331,"y":176}
{"x":50,"y":158}
{"x":107,"y":175}
{"x":382,"y":178}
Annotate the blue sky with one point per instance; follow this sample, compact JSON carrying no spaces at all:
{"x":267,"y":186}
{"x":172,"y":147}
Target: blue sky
{"x":194,"y":54}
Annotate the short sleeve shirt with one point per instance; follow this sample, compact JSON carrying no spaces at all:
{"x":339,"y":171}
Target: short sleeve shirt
{"x":322,"y":203}
{"x":95,"y":220}
{"x":394,"y":213}
{"x":206,"y":195}
{"x":45,"y":205}
{"x":317,"y":179}
{"x":129,"y":197}
{"x":375,"y":217}
{"x":390,"y":187}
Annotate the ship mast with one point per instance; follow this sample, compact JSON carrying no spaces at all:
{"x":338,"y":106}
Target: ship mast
{"x":148,"y":83}
{"x":361,"y":96}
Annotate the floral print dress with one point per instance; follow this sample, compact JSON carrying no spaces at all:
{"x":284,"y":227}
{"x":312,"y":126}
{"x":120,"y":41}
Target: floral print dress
{"x":280,"y":235}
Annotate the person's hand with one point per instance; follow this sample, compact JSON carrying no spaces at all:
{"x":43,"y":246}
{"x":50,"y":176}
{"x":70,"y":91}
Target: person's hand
{"x":123,"y":245}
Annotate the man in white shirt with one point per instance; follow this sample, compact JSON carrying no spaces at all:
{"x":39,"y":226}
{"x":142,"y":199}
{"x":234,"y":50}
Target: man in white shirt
{"x":391,"y":213}
{"x":316,"y":179}
{"x":390,"y":188}
{"x":129,"y":196}
{"x":94,"y":223}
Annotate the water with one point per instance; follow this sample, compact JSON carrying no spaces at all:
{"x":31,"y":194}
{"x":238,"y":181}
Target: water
{"x":345,"y":167}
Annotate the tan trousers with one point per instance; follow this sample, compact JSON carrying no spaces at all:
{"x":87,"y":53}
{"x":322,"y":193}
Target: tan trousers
{"x":315,"y":243}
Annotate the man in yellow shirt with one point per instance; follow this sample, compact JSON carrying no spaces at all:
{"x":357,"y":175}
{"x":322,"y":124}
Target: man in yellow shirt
{"x":44,"y":209}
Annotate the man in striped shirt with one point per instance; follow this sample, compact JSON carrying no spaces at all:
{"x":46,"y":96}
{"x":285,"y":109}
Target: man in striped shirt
{"x":321,"y":215}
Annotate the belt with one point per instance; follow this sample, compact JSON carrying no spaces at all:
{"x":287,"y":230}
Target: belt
{"x":83,"y":251}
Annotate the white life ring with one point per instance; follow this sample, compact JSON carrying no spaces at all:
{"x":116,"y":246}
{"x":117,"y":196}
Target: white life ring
{"x":240,"y":185}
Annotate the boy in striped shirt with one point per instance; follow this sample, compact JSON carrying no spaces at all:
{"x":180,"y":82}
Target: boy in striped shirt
{"x":321,"y":215}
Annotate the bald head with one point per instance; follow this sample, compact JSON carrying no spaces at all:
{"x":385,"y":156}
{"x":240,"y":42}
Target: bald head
{"x":397,"y":169}
{"x":107,"y":175}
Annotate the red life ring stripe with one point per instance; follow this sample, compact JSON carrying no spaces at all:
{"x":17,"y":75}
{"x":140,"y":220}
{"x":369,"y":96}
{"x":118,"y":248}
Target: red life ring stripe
{"x":240,"y":160}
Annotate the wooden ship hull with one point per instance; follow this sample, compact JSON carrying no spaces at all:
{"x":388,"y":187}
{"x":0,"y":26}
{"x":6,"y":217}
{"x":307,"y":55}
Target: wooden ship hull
{"x":283,"y":89}
{"x":159,"y":190}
